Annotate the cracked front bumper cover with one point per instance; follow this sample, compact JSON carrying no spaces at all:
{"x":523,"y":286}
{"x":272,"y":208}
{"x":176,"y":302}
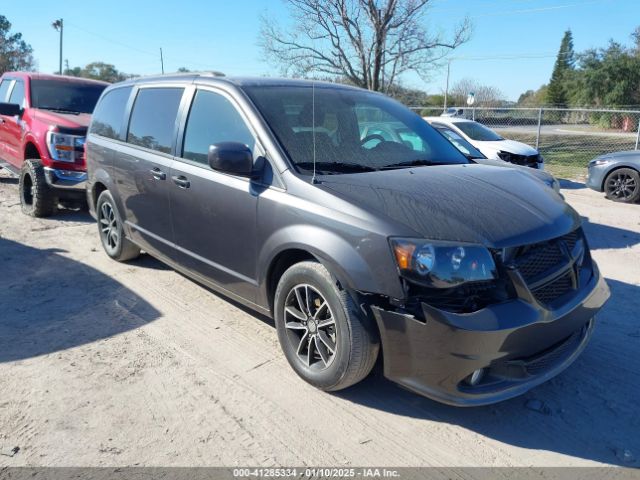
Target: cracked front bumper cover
{"x":519,"y":344}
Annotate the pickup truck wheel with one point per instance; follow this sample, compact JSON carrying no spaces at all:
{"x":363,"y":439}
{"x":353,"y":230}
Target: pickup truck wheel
{"x":623,"y":185}
{"x":325,"y":339}
{"x":37,"y":199}
{"x":110,"y":227}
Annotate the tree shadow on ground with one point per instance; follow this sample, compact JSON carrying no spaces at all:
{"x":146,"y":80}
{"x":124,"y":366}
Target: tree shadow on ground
{"x":51,"y":303}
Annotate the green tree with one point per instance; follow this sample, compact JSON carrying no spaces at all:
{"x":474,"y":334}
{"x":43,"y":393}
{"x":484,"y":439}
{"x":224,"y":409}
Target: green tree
{"x":608,"y":77}
{"x":557,"y":91}
{"x":15,"y":53}
{"x":98,"y":71}
{"x":103,"y":71}
{"x":533,"y":98}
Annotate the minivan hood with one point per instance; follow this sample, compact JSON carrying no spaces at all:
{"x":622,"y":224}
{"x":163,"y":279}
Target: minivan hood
{"x":494,"y":206}
{"x":66,"y":120}
{"x":490,"y":149}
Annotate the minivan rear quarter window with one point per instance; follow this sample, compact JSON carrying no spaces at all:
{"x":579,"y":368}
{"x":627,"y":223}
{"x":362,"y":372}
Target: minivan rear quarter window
{"x":107,"y":119}
{"x":153,"y":119}
{"x":213,"y":119}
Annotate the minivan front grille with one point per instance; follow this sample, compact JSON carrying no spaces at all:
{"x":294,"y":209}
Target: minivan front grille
{"x":554,"y":289}
{"x":552,"y":260}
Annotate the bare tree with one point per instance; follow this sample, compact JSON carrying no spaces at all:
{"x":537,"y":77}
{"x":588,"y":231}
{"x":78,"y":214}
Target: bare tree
{"x":367,"y":42}
{"x":485,"y":95}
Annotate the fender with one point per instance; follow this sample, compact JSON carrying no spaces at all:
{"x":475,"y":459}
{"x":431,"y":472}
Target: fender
{"x":344,"y":260}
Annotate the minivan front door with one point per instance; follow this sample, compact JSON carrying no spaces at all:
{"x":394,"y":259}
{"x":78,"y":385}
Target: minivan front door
{"x":142,"y":168}
{"x":214,"y":214}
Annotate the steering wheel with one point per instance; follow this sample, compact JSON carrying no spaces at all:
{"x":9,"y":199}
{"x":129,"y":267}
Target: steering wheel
{"x":373,"y":136}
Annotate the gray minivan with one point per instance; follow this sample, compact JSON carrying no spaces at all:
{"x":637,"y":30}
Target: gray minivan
{"x":471,"y":283}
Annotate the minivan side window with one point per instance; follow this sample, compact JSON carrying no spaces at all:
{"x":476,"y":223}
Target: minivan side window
{"x":153,"y":118}
{"x":17,"y":95}
{"x":213,"y":119}
{"x":109,"y":113}
{"x":4,"y":89}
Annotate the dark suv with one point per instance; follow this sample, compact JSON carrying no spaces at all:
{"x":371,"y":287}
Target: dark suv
{"x":475,"y":283}
{"x":43,"y":124}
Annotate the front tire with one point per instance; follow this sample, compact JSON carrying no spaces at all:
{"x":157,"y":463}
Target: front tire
{"x":324,"y":337}
{"x":37,"y":199}
{"x":623,"y":185}
{"x":111,"y":229}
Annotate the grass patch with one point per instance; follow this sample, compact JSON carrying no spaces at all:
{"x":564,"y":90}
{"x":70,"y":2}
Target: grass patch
{"x":567,"y":156}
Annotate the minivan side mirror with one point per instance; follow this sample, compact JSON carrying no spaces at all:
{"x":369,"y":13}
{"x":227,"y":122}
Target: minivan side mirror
{"x":231,"y":157}
{"x":10,"y":109}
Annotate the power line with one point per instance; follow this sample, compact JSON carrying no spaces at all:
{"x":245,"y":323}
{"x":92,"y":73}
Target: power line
{"x":540,"y":9}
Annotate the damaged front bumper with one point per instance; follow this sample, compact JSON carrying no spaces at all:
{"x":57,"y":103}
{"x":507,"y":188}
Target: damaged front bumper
{"x":516,"y":344}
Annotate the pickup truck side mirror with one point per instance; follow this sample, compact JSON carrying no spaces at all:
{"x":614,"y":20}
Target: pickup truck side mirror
{"x":231,"y":157}
{"x":10,"y":109}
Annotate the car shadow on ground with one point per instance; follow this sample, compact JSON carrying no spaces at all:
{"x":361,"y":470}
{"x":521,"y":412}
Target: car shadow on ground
{"x":602,"y":236}
{"x":567,"y":184}
{"x":50,"y":303}
{"x":590,"y":409}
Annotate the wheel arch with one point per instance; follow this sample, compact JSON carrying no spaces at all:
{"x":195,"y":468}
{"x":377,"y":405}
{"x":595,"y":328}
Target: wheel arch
{"x":342,"y":259}
{"x":31,"y":150}
{"x":615,"y":168}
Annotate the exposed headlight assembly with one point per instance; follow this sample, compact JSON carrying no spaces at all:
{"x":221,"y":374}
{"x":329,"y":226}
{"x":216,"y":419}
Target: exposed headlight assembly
{"x":64,"y":147}
{"x":442,"y":264}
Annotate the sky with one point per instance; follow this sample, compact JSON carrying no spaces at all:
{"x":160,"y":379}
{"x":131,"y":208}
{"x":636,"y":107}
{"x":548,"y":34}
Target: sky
{"x":513,"y":45}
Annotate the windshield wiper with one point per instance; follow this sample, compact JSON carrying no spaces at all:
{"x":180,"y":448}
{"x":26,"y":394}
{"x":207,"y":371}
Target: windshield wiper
{"x":337,"y":167}
{"x":63,"y":110}
{"x":412,"y":163}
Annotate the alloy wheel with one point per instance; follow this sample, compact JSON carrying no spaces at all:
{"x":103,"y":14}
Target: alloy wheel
{"x":621,"y":186}
{"x":310,"y":326}
{"x":109,"y":226}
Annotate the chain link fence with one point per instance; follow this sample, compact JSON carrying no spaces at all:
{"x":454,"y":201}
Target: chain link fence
{"x":567,"y":138}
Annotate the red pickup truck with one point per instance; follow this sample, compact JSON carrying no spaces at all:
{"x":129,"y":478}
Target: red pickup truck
{"x":43,"y":125}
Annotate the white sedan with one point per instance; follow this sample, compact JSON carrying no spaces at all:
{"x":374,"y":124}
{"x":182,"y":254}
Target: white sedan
{"x":489,"y":142}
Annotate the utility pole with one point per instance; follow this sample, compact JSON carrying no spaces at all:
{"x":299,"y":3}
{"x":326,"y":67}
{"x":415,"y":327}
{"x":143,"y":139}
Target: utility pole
{"x":161,"y":61}
{"x":446,"y":90}
{"x":58,"y":25}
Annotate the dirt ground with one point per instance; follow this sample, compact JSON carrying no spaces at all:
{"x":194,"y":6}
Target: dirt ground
{"x":107,"y":364}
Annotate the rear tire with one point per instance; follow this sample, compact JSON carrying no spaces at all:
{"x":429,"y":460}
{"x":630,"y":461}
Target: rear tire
{"x":324,"y":337}
{"x":111,"y":230}
{"x":623,"y":185}
{"x":37,"y":199}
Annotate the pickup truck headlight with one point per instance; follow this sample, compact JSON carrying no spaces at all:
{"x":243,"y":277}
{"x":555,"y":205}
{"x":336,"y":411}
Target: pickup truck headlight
{"x":64,"y":147}
{"x":442,"y":264}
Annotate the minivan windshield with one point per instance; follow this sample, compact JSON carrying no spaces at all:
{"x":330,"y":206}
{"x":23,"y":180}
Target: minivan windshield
{"x":349,"y":131}
{"x":477,"y":131}
{"x":71,"y":97}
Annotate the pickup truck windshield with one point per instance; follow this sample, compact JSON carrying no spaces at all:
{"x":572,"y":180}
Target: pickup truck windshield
{"x":350,"y":131}
{"x":61,"y":96}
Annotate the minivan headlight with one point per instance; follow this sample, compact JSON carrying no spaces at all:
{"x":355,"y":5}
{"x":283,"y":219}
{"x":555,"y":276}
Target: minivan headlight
{"x":442,"y":264}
